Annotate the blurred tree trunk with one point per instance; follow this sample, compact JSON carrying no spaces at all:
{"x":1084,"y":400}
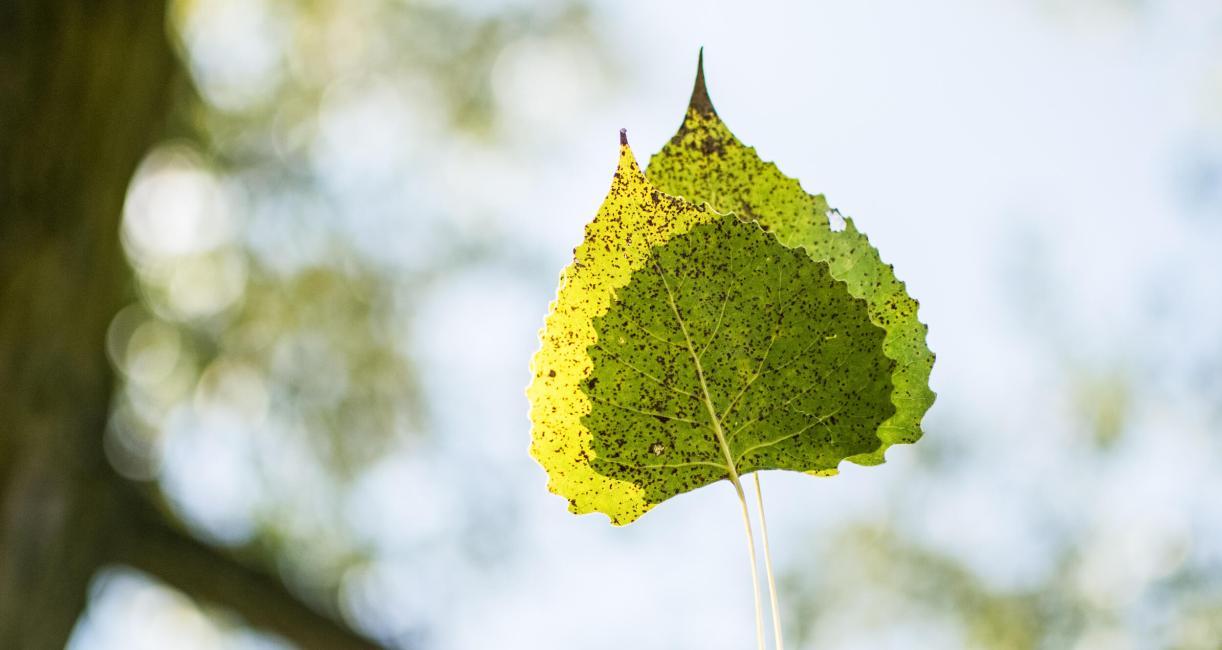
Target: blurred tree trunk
{"x":85,"y":89}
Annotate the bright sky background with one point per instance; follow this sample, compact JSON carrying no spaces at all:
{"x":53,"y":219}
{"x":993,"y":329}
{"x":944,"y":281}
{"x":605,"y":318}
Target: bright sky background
{"x":1026,"y":166}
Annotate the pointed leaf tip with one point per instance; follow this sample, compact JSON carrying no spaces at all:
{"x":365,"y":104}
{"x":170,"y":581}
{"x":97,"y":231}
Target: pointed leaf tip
{"x":700,"y":101}
{"x":628,"y":166}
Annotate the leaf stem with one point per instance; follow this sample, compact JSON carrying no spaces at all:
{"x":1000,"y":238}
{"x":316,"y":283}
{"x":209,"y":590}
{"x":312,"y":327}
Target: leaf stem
{"x":755,"y":576}
{"x":772,"y":594}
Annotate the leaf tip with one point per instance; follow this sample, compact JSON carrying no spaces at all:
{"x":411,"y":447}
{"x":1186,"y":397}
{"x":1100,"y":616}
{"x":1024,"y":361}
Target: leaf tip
{"x":628,"y":167}
{"x":700,"y":101}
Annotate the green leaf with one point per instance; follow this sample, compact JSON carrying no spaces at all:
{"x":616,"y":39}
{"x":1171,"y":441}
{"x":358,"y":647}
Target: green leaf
{"x":705,"y":163}
{"x":686,"y":346}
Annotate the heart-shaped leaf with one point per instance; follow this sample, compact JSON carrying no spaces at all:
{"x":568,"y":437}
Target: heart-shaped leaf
{"x":687,"y":346}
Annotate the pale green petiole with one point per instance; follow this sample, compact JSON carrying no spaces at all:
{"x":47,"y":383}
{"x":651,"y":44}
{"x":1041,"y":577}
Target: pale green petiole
{"x":772,"y":595}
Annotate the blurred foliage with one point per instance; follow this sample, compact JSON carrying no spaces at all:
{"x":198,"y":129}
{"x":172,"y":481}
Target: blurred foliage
{"x":915,"y":586}
{"x":1102,"y":402}
{"x":280,"y":246}
{"x":882,"y":587}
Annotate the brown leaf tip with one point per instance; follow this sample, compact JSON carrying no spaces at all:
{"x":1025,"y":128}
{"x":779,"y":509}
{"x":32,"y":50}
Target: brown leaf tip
{"x":700,"y":93}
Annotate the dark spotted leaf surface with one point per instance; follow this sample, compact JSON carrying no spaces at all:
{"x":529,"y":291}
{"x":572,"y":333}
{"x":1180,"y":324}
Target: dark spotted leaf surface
{"x":705,"y":163}
{"x":687,"y":346}
{"x":725,"y":334}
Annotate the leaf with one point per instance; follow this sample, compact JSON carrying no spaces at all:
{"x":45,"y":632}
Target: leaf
{"x":705,"y":163}
{"x":685,"y":347}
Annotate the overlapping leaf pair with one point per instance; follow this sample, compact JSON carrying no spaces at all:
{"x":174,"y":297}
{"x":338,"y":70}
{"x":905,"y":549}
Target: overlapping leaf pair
{"x":713,"y":323}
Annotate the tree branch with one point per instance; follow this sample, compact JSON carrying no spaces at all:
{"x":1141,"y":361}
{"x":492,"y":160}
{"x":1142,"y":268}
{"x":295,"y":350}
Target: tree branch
{"x":151,"y":544}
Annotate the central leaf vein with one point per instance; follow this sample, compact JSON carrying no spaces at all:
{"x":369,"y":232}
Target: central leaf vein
{"x":704,"y":386}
